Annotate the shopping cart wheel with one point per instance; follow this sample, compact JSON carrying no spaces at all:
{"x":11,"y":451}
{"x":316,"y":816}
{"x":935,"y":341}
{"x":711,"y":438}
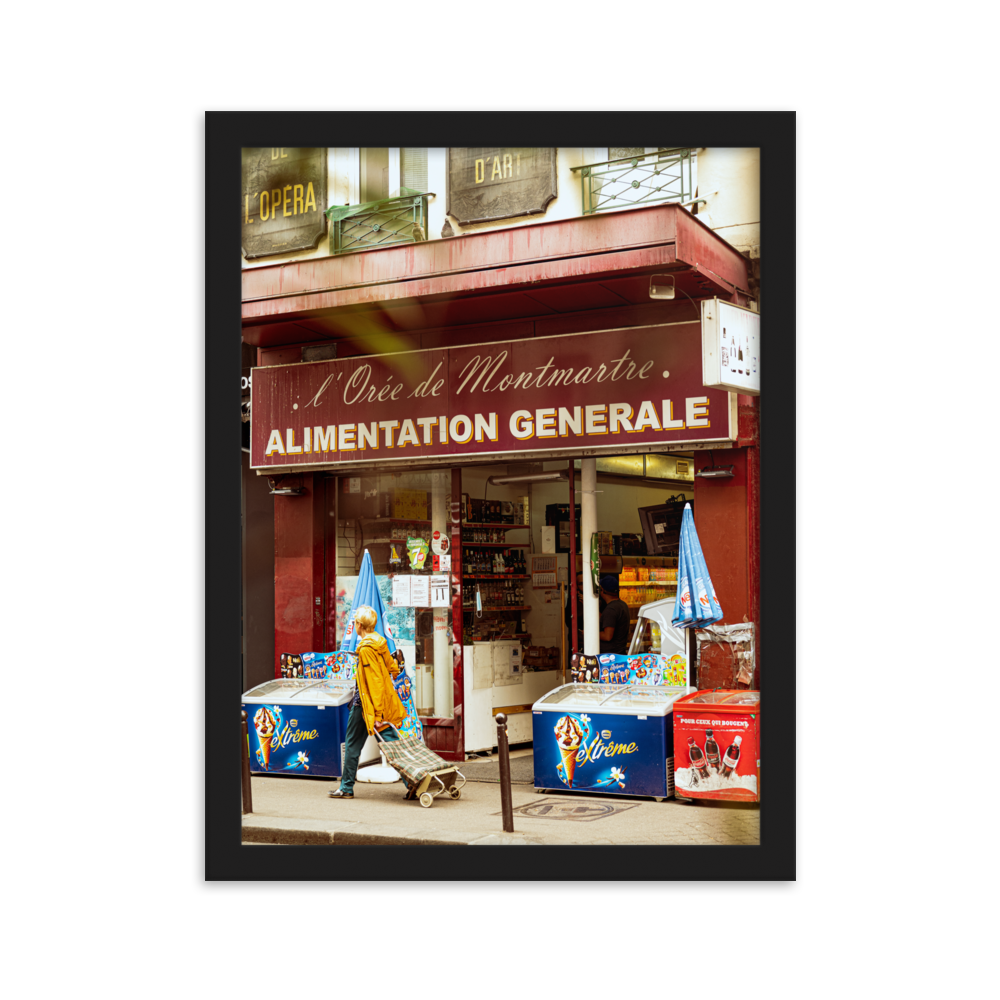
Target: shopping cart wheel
{"x":427,"y":800}
{"x":455,"y":793}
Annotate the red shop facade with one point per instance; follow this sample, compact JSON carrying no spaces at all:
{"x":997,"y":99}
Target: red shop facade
{"x":536,"y":344}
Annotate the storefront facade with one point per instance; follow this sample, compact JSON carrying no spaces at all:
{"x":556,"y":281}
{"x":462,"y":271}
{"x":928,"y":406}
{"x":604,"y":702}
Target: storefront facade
{"x":498,"y":366}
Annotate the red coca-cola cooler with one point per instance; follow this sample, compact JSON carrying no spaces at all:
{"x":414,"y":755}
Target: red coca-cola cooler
{"x":717,"y":745}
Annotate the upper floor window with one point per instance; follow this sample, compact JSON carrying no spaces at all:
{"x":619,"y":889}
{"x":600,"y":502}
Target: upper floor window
{"x":413,"y":169}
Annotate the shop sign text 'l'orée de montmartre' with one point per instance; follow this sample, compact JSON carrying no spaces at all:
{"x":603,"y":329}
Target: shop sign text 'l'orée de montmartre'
{"x":616,"y":390}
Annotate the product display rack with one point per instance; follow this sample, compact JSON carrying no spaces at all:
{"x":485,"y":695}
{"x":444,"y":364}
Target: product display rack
{"x":497,"y":576}
{"x":493,"y":545}
{"x":390,"y":521}
{"x":500,"y":620}
{"x":381,"y":557}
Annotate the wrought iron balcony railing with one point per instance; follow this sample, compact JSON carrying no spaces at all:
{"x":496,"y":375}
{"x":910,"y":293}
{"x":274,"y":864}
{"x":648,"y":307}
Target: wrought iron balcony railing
{"x":661,"y":176}
{"x":375,"y":224}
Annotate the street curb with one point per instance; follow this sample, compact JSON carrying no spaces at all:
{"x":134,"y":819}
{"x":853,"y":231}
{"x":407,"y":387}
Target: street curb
{"x":279,"y":830}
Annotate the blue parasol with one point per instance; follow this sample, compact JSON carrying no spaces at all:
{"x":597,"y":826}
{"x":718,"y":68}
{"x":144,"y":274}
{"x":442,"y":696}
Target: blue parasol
{"x":696,"y":605}
{"x":366,"y":593}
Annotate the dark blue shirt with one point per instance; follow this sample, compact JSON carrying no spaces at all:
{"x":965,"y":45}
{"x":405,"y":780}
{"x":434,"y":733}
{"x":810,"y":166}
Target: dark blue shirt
{"x":615,"y":615}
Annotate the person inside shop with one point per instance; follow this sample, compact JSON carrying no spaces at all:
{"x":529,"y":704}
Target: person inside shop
{"x":375,"y":703}
{"x":614,"y":617}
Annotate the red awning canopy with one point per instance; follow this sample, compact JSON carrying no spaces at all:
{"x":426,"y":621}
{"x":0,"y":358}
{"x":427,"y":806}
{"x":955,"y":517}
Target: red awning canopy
{"x":544,"y":270}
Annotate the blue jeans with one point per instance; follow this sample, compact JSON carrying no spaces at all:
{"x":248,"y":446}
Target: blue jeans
{"x":354,"y":741}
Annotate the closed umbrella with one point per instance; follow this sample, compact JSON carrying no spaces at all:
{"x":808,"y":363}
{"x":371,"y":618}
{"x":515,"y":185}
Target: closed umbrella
{"x":696,"y":605}
{"x":366,"y":593}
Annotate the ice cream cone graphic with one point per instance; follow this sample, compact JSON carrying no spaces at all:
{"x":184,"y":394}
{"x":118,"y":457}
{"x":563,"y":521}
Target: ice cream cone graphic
{"x":263,"y":722}
{"x":569,"y":736}
{"x":569,"y":761}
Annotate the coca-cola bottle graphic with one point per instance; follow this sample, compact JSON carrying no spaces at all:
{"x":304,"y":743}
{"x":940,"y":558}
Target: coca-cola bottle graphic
{"x":697,"y":759}
{"x":711,"y":750}
{"x":732,"y":757}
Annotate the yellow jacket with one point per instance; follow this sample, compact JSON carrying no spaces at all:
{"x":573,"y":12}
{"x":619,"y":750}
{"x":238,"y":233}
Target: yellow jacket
{"x":376,"y":668}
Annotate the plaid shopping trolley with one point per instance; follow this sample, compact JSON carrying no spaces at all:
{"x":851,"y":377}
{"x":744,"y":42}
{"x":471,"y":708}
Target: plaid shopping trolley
{"x":426,"y":775}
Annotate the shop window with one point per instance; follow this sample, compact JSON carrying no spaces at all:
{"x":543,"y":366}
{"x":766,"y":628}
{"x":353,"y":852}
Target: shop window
{"x":395,"y":516}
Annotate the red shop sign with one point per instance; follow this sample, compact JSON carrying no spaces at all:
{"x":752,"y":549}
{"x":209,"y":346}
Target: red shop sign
{"x":613,"y":391}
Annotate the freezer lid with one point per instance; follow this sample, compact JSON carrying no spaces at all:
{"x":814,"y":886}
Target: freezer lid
{"x":280,"y":687}
{"x":645,"y":699}
{"x":604,"y":699}
{"x":728,"y":699}
{"x":299,"y":691}
{"x":708,"y":698}
{"x":748,"y":698}
{"x":584,"y":695}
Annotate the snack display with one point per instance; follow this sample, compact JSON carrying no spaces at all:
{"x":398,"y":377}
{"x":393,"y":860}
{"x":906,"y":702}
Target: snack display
{"x":291,"y":665}
{"x":657,"y":668}
{"x":340,"y":666}
{"x":313,"y":666}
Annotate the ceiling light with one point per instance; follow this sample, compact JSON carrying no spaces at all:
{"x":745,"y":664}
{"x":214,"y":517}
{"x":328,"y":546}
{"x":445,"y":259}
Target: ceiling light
{"x":717,"y":472}
{"x":538,"y":477}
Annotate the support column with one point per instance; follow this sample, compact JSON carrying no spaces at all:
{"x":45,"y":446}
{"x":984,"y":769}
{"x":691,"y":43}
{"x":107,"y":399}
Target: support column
{"x":442,"y":650}
{"x":588,"y":525}
{"x":298,"y":570}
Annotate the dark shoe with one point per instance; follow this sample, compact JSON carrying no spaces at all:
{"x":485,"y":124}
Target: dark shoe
{"x":341,"y":794}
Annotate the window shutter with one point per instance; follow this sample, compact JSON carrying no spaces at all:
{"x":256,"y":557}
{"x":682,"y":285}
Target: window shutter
{"x":620,"y":152}
{"x":413,"y":168}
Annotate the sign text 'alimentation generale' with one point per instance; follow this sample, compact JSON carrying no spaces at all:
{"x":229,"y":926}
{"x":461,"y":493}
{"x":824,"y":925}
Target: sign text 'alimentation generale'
{"x":618,"y":390}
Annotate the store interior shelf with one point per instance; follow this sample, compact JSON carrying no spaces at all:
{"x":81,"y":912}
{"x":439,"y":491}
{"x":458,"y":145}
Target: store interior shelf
{"x":495,"y":576}
{"x":492,"y":545}
{"x":650,"y":583}
{"x":392,"y":520}
{"x":492,"y":524}
{"x":506,"y":607}
{"x":503,"y":635}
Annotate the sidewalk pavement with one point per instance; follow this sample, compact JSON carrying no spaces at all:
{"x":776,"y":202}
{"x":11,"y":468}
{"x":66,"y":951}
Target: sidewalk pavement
{"x":298,"y":811}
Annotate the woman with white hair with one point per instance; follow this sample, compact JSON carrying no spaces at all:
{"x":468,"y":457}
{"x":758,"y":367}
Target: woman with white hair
{"x":375,"y":704}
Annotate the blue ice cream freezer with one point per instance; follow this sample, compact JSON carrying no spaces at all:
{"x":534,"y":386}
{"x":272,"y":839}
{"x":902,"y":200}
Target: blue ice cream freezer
{"x":298,"y":726}
{"x":606,"y":739}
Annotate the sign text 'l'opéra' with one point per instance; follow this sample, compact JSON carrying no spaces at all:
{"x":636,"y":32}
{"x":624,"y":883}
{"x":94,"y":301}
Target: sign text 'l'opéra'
{"x":284,"y":197}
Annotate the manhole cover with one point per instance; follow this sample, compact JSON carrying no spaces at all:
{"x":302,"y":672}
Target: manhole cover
{"x":574,"y":811}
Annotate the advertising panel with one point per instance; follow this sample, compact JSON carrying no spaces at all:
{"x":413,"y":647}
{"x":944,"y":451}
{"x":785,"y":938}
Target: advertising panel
{"x":601,"y":753}
{"x":618,"y":390}
{"x":299,"y":739}
{"x":730,"y":347}
{"x":717,"y":746}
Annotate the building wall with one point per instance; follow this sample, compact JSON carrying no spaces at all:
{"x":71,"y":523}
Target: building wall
{"x":728,"y":177}
{"x":730,"y":180}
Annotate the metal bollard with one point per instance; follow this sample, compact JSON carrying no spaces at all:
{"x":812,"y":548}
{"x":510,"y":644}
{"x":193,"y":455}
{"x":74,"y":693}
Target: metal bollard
{"x":504,"y":752}
{"x":245,"y":762}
